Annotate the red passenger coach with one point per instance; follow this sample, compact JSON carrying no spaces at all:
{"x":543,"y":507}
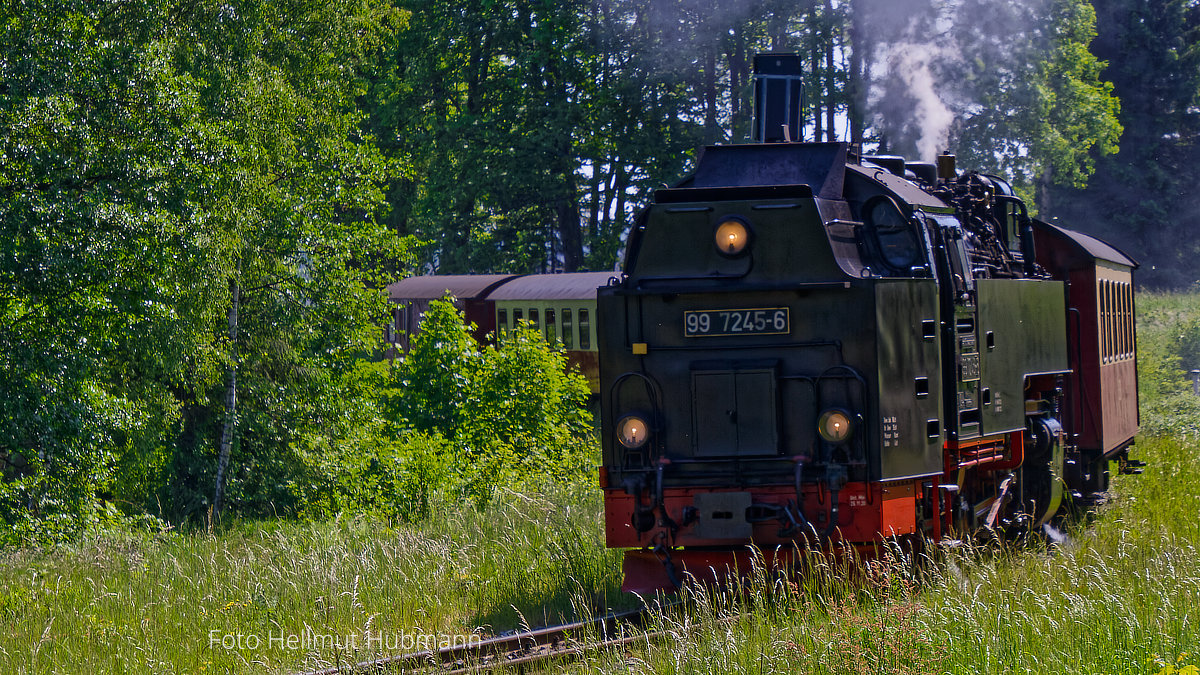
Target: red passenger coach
{"x":560,"y":306}
{"x":412,"y":296}
{"x":1102,"y":390}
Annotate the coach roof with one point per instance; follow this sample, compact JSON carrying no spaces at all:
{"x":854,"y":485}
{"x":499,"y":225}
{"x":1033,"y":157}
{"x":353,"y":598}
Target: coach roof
{"x":571,"y":286}
{"x":461,"y":286}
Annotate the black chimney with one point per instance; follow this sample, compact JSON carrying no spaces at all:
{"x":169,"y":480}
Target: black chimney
{"x":777,"y":98}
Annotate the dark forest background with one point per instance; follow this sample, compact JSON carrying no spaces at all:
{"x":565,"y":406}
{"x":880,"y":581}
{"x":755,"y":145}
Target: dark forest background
{"x":200,"y":202}
{"x":531,"y":132}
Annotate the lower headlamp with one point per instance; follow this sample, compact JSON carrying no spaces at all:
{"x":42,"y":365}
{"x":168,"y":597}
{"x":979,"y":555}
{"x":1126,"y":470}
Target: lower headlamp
{"x":835,"y":425}
{"x":632,"y":431}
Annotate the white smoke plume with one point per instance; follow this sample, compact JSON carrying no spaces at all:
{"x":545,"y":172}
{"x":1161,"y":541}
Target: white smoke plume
{"x":930,"y":115}
{"x":929,"y":62}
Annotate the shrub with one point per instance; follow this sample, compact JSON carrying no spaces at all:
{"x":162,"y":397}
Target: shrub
{"x":507,"y":413}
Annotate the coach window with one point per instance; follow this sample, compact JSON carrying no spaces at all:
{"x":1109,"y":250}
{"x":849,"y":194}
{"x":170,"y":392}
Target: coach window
{"x":502,"y":321}
{"x":568,"y":335}
{"x":1127,"y":298}
{"x":1129,"y":322}
{"x":1114,"y":290}
{"x":518,"y":317}
{"x":1114,"y":305}
{"x":1108,"y":320}
{"x":1127,"y":294}
{"x":551,"y":327}
{"x":585,"y":330}
{"x":1119,"y":324}
{"x":1128,"y":319}
{"x":1121,"y":321}
{"x":534,"y":319}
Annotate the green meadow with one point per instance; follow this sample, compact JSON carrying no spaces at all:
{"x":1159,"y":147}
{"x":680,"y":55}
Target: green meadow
{"x":1113,"y":591}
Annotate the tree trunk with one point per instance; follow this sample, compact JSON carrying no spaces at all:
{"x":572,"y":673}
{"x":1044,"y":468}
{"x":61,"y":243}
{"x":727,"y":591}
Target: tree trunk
{"x":711,"y":131}
{"x":477,"y":71}
{"x":856,"y":87}
{"x":569,"y":226}
{"x":610,"y":190}
{"x":593,"y":222}
{"x":740,"y":84}
{"x":1045,"y":180}
{"x":830,"y":85}
{"x":814,"y":32}
{"x":622,"y":186}
{"x":235,"y":295}
{"x":569,"y":220}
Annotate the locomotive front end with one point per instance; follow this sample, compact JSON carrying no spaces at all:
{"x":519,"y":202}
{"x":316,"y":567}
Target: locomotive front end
{"x":745,"y":394}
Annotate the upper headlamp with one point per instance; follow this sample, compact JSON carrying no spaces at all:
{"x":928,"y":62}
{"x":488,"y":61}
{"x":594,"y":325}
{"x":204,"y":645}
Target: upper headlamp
{"x":732,"y":236}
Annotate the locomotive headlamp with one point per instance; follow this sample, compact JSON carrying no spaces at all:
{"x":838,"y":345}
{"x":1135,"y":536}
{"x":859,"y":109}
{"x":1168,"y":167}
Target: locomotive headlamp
{"x":835,"y":425}
{"x":732,"y":236}
{"x":632,"y":431}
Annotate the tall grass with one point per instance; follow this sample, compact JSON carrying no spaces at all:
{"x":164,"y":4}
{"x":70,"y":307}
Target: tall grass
{"x":286,"y":596}
{"x":1120,"y":594}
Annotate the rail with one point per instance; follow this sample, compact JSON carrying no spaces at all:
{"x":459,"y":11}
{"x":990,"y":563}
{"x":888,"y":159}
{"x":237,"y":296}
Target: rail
{"x":515,"y":650}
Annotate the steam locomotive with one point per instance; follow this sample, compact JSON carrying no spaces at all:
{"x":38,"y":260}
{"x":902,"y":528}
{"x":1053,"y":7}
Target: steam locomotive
{"x":814,"y":347}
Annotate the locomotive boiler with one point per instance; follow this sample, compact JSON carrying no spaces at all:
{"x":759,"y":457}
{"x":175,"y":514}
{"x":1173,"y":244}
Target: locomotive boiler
{"x":813,"y":347}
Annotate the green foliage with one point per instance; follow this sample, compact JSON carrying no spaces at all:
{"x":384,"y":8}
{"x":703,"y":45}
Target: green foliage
{"x":507,"y":413}
{"x":449,"y":422}
{"x":1141,"y":198}
{"x":150,"y":153}
{"x":1075,"y":119}
{"x":532,"y":130}
{"x":1044,"y":110}
{"x":436,"y":380}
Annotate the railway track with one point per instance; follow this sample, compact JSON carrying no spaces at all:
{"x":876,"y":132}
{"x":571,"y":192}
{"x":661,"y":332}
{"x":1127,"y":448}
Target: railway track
{"x":516,"y":650}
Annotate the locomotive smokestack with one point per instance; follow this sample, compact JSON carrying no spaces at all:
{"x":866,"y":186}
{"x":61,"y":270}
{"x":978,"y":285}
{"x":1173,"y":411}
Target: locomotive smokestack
{"x":778,"y":102}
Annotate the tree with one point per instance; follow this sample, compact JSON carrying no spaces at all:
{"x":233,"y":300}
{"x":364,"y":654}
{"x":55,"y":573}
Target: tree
{"x":155,"y":156}
{"x":1044,"y":111}
{"x":1141,"y":198}
{"x":539,"y":127}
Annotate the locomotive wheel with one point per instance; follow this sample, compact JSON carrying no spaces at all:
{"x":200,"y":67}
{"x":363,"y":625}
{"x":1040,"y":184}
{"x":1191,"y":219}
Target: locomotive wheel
{"x":1041,"y":472}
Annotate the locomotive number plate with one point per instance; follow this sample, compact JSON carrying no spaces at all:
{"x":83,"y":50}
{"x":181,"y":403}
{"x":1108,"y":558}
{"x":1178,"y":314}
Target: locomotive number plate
{"x":753,"y":321}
